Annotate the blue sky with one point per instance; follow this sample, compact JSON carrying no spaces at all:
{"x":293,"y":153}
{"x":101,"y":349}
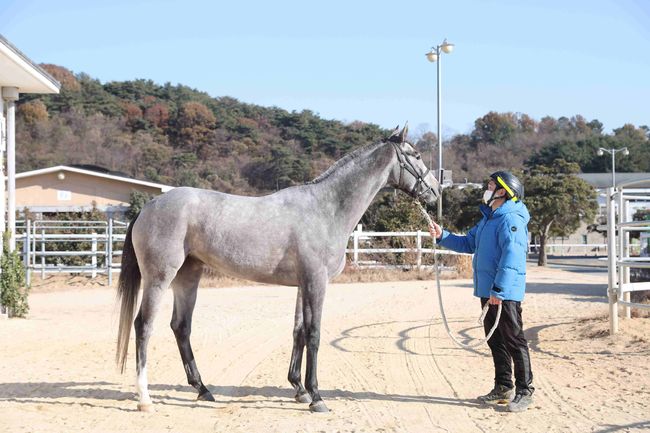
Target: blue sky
{"x":362,"y":60}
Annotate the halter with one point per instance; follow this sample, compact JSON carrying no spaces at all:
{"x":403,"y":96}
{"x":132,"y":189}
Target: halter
{"x":405,"y":164}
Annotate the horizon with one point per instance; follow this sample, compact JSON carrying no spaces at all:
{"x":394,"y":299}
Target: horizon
{"x":367,"y":64}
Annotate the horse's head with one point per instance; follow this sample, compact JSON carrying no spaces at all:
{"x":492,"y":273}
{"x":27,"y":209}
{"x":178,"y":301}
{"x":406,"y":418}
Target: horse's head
{"x":409,"y":172}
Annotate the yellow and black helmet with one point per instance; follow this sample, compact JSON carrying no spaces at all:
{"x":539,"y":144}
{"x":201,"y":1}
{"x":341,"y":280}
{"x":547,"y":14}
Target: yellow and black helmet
{"x":508,"y":181}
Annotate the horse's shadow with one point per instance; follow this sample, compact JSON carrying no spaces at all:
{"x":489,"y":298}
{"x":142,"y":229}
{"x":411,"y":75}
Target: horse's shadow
{"x":93,"y":393}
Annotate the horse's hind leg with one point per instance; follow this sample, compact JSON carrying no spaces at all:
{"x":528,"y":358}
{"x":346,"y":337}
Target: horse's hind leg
{"x":302,"y":396}
{"x":313,"y":291}
{"x":152,"y":292}
{"x":185,"y":287}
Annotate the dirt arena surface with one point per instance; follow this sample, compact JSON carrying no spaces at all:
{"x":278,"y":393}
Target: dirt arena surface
{"x":384,"y":366}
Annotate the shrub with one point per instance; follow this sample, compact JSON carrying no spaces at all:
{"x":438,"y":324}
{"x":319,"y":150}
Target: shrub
{"x":13,"y":290}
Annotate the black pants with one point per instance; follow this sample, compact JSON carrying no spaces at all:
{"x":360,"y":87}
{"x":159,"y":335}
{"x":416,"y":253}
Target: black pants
{"x":509,"y":345}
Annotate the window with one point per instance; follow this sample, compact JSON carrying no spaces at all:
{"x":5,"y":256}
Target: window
{"x":64,"y":195}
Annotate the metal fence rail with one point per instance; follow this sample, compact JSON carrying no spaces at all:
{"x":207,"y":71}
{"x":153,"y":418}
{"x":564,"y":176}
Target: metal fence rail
{"x":415,"y":239}
{"x":95,"y":247}
{"x":50,"y":246}
{"x":620,"y":260}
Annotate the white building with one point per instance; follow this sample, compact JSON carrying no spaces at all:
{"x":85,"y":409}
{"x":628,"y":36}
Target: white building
{"x":18,"y":74}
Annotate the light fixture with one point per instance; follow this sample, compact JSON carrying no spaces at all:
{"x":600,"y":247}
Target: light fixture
{"x":601,"y":151}
{"x":435,"y":56}
{"x":447,"y":47}
{"x":60,"y":175}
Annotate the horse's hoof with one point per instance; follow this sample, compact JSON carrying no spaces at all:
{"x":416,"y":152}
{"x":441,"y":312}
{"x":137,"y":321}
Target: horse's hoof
{"x":303,"y":398}
{"x":146,"y":407}
{"x":206,"y":396}
{"x":318,"y":406}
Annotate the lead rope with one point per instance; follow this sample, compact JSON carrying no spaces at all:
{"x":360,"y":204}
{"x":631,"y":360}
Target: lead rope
{"x":442,"y":309}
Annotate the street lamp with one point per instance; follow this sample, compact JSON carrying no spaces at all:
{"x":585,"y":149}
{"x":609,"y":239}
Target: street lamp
{"x":601,"y":151}
{"x":435,"y":56}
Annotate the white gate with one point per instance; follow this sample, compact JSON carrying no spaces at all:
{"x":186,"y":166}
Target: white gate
{"x":619,"y":226}
{"x":47,"y":246}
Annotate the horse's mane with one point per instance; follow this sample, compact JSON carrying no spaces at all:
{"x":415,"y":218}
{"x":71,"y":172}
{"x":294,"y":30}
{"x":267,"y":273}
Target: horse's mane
{"x":344,"y":160}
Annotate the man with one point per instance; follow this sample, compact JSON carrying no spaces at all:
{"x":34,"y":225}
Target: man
{"x":499,"y":243}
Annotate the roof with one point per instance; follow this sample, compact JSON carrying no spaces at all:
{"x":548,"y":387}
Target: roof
{"x":604,"y":180}
{"x":99,"y":169}
{"x":17,"y":70}
{"x":163,"y":188}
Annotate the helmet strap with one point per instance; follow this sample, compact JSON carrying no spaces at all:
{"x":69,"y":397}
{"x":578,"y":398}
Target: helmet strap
{"x":489,"y":203}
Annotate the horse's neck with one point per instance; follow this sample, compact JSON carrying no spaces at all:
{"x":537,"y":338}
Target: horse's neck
{"x":351,"y":189}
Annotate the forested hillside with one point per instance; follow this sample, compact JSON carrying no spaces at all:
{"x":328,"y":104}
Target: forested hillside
{"x":181,"y":136}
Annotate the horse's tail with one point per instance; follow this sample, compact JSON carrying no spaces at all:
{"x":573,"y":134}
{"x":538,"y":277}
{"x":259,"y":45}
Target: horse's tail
{"x":127,"y":293}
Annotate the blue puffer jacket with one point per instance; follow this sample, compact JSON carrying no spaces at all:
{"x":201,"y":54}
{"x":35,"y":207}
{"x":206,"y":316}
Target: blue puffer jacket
{"x":499,"y":243}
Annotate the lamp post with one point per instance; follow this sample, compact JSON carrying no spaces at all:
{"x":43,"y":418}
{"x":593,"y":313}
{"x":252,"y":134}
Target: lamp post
{"x":435,"y":56}
{"x":613,"y":152}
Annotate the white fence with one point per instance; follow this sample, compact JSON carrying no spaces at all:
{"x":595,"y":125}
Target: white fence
{"x":619,"y":226}
{"x":70,"y":246}
{"x":94,"y":247}
{"x":572,"y":249}
{"x":422,"y":245}
{"x":362,"y":246}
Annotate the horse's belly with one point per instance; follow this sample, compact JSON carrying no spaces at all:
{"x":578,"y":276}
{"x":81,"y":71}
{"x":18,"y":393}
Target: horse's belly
{"x":252,"y":264}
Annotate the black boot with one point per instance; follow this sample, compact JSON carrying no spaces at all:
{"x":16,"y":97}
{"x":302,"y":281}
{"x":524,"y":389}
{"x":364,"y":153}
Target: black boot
{"x":499,"y":395}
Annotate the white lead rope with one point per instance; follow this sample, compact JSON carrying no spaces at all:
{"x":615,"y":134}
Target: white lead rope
{"x":442,"y":309}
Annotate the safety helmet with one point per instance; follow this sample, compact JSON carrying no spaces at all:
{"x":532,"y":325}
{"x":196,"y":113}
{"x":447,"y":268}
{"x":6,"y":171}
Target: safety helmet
{"x":508,"y":181}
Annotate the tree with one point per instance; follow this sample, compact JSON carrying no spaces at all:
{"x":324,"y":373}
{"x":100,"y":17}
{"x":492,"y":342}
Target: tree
{"x":558,"y":201}
{"x":33,"y":112}
{"x":638,"y":143}
{"x":157,"y":115}
{"x":494,"y":128}
{"x":137,"y":200}
{"x":581,"y":152}
{"x":461,"y":208}
{"x":281,"y":169}
{"x":195,"y":123}
{"x":393,"y":212}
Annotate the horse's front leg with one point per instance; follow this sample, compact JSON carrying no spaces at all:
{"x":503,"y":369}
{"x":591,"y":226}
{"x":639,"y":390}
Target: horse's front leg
{"x":313,"y":297}
{"x":302,"y":396}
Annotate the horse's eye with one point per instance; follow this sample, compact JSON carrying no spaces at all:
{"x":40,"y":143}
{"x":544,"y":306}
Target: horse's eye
{"x":417,"y":156}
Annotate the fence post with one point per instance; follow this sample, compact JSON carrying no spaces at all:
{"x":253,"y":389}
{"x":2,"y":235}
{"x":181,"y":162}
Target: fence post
{"x":355,"y":243}
{"x":612,"y":290}
{"x":33,"y":248}
{"x":42,"y":254}
{"x":93,"y":259}
{"x":624,"y":254}
{"x":418,"y":244}
{"x":109,"y":252}
{"x":28,"y":276}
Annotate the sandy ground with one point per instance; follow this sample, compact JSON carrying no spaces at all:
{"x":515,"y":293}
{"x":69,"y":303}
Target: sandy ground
{"x":385,"y":364}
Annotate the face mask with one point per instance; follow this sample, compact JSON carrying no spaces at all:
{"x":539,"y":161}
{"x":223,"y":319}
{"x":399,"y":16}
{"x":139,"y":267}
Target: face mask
{"x":487,"y":195}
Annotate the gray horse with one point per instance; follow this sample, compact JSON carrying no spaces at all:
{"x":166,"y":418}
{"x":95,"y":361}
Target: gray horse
{"x":295,"y":237}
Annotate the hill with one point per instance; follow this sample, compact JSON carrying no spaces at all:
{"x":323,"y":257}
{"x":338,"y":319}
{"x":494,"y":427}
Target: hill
{"x":178,"y":135}
{"x":181,"y":136}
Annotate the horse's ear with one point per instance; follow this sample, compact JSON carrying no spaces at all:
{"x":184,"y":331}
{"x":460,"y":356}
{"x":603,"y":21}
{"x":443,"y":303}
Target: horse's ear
{"x":404,"y":133}
{"x":395,"y":135}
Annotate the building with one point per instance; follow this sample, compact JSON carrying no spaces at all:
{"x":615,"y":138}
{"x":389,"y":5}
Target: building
{"x":586,"y":239}
{"x":18,"y":74}
{"x":79,"y":188}
{"x":602,"y":181}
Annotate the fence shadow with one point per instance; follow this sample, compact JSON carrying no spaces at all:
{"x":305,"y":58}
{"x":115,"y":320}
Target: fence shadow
{"x":594,"y":291}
